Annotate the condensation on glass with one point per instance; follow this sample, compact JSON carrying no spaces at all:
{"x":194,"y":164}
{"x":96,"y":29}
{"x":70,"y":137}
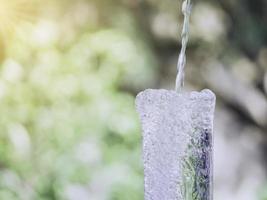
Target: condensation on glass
{"x":177,"y":144}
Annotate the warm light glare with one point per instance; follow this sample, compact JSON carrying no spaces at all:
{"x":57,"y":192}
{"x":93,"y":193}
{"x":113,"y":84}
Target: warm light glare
{"x":12,"y":13}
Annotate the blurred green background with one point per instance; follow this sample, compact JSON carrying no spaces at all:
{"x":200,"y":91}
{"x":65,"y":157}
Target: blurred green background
{"x":69,"y":74}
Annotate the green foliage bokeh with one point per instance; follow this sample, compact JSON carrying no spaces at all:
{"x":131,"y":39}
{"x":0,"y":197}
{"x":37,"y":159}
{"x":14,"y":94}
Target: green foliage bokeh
{"x":68,"y":126}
